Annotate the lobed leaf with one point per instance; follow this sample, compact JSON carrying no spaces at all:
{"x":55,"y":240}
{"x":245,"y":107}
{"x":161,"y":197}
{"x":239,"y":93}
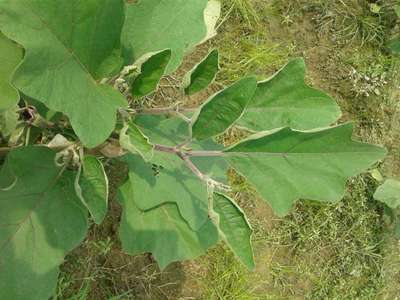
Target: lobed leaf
{"x":161,"y":231}
{"x":154,"y":25}
{"x":133,"y":139}
{"x":41,"y":220}
{"x":389,"y":193}
{"x":151,"y":72}
{"x":93,"y":188}
{"x":223,"y":109}
{"x":171,"y":182}
{"x":286,"y":101}
{"x":203,"y":74}
{"x":62,"y":65}
{"x":288,"y":165}
{"x":234,"y":228}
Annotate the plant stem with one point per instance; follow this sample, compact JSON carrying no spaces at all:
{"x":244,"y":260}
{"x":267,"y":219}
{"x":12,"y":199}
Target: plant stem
{"x":185,"y":156}
{"x":192,"y":166}
{"x":163,"y":111}
{"x":190,"y":153}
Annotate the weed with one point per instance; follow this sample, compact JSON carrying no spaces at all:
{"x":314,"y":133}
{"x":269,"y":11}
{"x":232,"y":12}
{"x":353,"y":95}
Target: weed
{"x":226,"y":278}
{"x":336,"y":248}
{"x":243,"y":9}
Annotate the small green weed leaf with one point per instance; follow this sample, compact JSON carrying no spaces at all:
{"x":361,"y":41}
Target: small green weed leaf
{"x":396,"y":230}
{"x":154,"y":25}
{"x":151,"y":72}
{"x":288,"y":165}
{"x":202,"y":74}
{"x":394,"y":45}
{"x":8,"y":121}
{"x":11,"y":55}
{"x":389,"y":193}
{"x":133,"y":139}
{"x":235,"y":229}
{"x":62,"y":64}
{"x":286,"y":101}
{"x":93,"y":188}
{"x":41,"y":220}
{"x":161,"y":231}
{"x":223,"y":109}
{"x":397,"y":10}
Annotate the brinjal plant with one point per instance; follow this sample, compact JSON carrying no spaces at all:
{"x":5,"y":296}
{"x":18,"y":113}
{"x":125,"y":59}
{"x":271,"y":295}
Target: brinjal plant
{"x":75,"y":78}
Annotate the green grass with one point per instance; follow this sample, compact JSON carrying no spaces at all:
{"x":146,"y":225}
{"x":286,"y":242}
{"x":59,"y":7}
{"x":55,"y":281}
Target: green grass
{"x":225,"y":277}
{"x":246,"y":47}
{"x":336,"y":249}
{"x":352,"y":21}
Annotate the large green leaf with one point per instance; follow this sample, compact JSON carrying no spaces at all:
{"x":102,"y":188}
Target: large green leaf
{"x":154,"y":25}
{"x":41,"y":219}
{"x":223,"y":109}
{"x":234,"y":228}
{"x":132,"y":139}
{"x":10,"y":55}
{"x":161,"y":231}
{"x":389,"y":193}
{"x":288,"y":165}
{"x":68,"y":47}
{"x":172,"y":183}
{"x":92,"y":188}
{"x":286,"y":101}
{"x":202,"y":74}
{"x":150,"y":74}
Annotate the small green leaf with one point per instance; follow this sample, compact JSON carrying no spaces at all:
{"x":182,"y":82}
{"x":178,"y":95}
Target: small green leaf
{"x":394,"y":45}
{"x":235,"y":229}
{"x":8,"y":121}
{"x":11,"y":55}
{"x":223,"y":109}
{"x":396,"y":230}
{"x":151,"y":72}
{"x":288,"y":165}
{"x":66,"y":48}
{"x":397,"y":10}
{"x":133,"y":139}
{"x":286,"y":101}
{"x":389,"y":193}
{"x":154,"y":25}
{"x":93,"y":188}
{"x":41,"y":220}
{"x":161,"y":231}
{"x":202,"y":74}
